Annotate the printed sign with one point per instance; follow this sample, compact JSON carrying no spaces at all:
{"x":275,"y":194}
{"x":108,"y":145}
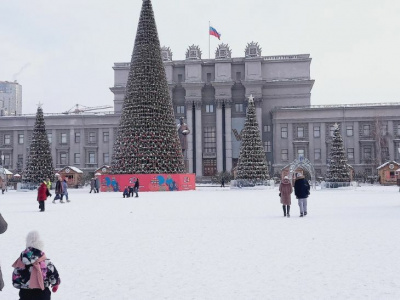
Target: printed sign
{"x":148,"y":182}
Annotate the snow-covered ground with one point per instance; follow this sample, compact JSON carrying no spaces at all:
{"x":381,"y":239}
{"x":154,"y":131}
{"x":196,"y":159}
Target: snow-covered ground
{"x":212,"y":243}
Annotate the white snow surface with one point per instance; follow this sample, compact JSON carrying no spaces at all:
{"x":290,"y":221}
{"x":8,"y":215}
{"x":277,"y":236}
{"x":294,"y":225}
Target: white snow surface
{"x":212,"y":243}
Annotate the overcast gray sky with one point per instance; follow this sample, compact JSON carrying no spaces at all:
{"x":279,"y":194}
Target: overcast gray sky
{"x":62,"y":51}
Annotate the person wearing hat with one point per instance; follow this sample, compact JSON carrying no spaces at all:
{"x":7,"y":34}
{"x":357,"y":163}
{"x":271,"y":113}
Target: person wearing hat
{"x":285,"y":189}
{"x":33,"y":272}
{"x":302,"y":191}
{"x":43,"y":193}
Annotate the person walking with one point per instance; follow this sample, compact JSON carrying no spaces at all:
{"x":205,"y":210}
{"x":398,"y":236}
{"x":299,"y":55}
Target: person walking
{"x":33,"y":272}
{"x":97,"y":184}
{"x":48,"y":183}
{"x":3,"y":186}
{"x":92,"y":185}
{"x":58,"y":190}
{"x":3,"y":228}
{"x":302,"y":191}
{"x":222,"y":182}
{"x":285,"y":189}
{"x":43,"y":193}
{"x":137,"y":187}
{"x":65,"y":190}
{"x":130,"y":191}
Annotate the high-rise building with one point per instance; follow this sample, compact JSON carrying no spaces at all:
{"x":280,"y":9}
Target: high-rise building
{"x":10,"y":98}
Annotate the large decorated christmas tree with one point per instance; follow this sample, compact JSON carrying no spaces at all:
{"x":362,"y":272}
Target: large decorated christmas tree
{"x":252,"y":164}
{"x":39,"y":164}
{"x":338,"y":170}
{"x":147,"y":140}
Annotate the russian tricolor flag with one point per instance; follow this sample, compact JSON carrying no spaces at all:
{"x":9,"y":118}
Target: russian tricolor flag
{"x":214,"y":32}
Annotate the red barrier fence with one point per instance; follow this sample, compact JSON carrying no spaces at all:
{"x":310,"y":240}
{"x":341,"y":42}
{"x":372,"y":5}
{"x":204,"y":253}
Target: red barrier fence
{"x":148,"y":182}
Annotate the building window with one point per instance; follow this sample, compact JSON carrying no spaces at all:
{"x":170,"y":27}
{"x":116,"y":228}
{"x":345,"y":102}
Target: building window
{"x":209,"y":140}
{"x":20,"y":138}
{"x":300,"y":132}
{"x":7,"y":139}
{"x":331,"y":130}
{"x":49,"y":137}
{"x":77,"y":137}
{"x":180,"y":109}
{"x":384,"y":129}
{"x":63,"y":138}
{"x":267,"y":146}
{"x":367,"y":152}
{"x":7,"y":160}
{"x":20,"y":161}
{"x":92,"y":158}
{"x":77,"y":158}
{"x":284,"y":154}
{"x":317,"y":154}
{"x":385,"y":153}
{"x":349,"y":130}
{"x":63,"y":158}
{"x":238,"y":76}
{"x":284,"y":131}
{"x":300,"y":153}
{"x":398,"y":129}
{"x":267,"y":128}
{"x":106,"y":137}
{"x":106,"y":158}
{"x":317,"y":131}
{"x":366,"y":130}
{"x":209,"y":108}
{"x":92,"y":137}
{"x":239,"y":107}
{"x":350,"y":153}
{"x":208,"y":77}
{"x":180,"y":78}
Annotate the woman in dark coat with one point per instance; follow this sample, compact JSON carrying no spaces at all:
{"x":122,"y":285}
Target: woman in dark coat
{"x":58,"y":190}
{"x":43,"y":193}
{"x":285,"y":190}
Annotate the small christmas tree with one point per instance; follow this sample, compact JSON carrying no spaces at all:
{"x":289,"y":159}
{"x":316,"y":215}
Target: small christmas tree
{"x":147,"y":140}
{"x":338,"y":170}
{"x":252,"y":162}
{"x":39,"y":165}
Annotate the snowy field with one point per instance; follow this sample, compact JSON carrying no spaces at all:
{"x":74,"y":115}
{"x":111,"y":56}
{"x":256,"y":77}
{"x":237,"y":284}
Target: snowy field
{"x":212,"y":243}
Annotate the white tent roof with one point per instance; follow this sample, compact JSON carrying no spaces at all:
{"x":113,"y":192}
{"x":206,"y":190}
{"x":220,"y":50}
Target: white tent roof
{"x":8,"y":172}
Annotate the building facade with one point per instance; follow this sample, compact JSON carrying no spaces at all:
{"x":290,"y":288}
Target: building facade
{"x":10,"y":98}
{"x":211,"y":94}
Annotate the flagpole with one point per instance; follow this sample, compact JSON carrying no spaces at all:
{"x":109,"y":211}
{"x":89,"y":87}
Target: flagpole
{"x":209,"y":39}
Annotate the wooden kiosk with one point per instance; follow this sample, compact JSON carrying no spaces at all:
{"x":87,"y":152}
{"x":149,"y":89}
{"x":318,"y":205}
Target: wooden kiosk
{"x":73,"y":176}
{"x":388,"y":173}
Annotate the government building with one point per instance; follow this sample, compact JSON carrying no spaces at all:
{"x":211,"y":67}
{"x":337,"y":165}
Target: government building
{"x":211,"y":95}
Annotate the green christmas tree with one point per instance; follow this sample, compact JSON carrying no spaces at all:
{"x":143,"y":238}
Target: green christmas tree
{"x":147,"y":140}
{"x":39,"y":165}
{"x":252,"y":162}
{"x":338,"y":170}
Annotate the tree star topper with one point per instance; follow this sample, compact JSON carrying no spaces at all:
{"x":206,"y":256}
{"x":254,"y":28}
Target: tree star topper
{"x":251,"y":98}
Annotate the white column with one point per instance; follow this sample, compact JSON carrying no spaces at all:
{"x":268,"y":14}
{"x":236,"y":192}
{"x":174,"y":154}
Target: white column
{"x":228,"y":135}
{"x":189,"y":122}
{"x":199,"y":141}
{"x":219,"y":137}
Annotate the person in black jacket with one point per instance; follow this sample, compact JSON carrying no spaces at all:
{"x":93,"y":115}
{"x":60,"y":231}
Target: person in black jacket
{"x":137,"y":187}
{"x":302,"y":191}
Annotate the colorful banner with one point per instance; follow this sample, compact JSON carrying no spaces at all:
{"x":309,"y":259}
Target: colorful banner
{"x":148,"y":182}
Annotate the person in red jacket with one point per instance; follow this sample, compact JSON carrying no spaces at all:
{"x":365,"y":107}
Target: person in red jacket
{"x":43,"y":193}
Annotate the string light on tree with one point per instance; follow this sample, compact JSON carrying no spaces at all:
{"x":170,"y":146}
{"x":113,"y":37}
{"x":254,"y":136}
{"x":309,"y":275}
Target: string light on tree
{"x":39,"y":165}
{"x":252,"y":164}
{"x":338,"y":170}
{"x":147,"y":141}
